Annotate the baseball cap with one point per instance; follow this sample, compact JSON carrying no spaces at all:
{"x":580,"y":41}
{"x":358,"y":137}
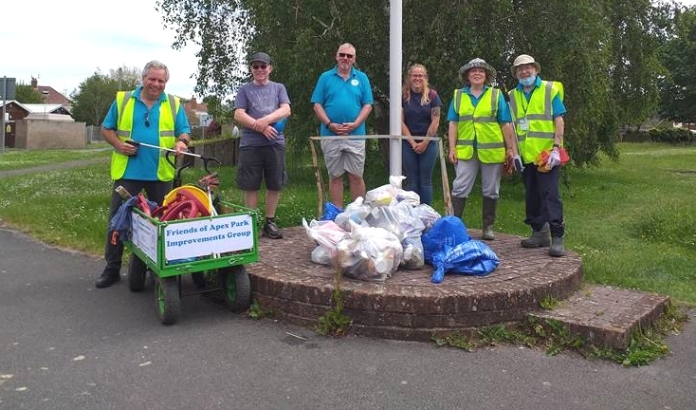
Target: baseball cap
{"x":261,"y":58}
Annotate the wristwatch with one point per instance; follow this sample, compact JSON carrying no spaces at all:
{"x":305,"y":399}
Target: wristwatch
{"x":184,"y":140}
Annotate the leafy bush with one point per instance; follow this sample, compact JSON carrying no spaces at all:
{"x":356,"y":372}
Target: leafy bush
{"x":672,"y":136}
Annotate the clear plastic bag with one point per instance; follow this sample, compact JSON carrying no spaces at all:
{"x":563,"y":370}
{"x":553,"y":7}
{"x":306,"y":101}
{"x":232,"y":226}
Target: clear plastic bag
{"x":323,"y":255}
{"x":413,"y":257}
{"x":326,"y":233}
{"x":356,"y":211}
{"x":428,"y":215}
{"x":369,"y":254}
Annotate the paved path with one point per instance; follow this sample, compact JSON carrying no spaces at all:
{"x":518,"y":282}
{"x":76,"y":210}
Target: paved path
{"x":54,"y":167}
{"x":66,"y":345}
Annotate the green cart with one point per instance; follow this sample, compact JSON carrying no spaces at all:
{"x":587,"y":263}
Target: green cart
{"x":213,"y":249}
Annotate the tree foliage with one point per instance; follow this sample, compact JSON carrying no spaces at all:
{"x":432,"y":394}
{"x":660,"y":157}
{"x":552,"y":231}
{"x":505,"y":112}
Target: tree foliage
{"x":94,"y":96}
{"x":605,"y":52}
{"x":27,"y":94}
{"x":678,"y":95}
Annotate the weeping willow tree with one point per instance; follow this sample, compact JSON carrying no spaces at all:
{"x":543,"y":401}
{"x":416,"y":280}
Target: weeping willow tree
{"x":603,"y":51}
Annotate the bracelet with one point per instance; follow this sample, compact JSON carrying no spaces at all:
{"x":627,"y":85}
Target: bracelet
{"x":556,"y":146}
{"x":184,"y":140}
{"x":328,"y":124}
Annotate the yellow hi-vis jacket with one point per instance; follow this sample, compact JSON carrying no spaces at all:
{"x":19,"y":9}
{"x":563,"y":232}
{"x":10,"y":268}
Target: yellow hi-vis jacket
{"x":479,"y":123}
{"x":167,"y":113}
{"x":539,"y":116}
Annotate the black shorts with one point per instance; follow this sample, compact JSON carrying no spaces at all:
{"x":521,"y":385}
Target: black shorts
{"x":266,"y":162}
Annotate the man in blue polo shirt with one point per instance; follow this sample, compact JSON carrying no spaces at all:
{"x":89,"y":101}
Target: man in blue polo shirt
{"x":151,"y":116}
{"x":342,"y":102}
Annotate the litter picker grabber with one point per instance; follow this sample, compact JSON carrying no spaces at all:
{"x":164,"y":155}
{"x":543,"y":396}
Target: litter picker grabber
{"x":177,"y":179}
{"x":517,"y":160}
{"x":139,"y":144}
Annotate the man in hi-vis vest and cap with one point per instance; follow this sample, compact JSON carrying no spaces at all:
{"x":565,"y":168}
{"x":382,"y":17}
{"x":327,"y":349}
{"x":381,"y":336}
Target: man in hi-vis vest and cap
{"x":150,"y":116}
{"x":537,"y":108}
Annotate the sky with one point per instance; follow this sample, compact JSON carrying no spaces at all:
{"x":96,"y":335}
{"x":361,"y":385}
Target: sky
{"x":63,"y":43}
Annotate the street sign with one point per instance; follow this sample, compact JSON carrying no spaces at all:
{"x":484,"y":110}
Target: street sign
{"x":205,"y":119}
{"x":8,"y":88}
{"x":7,"y":92}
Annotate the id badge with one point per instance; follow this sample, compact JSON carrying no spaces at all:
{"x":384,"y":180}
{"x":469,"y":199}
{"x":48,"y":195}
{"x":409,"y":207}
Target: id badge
{"x":523,"y":124}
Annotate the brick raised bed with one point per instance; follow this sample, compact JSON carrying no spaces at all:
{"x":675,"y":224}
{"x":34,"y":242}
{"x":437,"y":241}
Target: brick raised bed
{"x":408,"y":306}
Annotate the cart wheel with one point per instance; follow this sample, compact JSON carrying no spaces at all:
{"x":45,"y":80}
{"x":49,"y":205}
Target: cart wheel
{"x":137,"y":272}
{"x":236,"y":287}
{"x":168,"y":300}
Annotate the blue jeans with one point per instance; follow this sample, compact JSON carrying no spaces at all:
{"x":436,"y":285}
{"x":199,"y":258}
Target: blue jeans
{"x":418,"y":169}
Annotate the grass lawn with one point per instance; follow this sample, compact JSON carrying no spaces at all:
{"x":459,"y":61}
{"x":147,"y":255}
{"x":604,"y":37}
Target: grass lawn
{"x":632,"y":220}
{"x":18,"y":159}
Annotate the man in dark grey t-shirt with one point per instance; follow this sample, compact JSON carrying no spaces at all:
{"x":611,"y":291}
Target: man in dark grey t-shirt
{"x":262,"y":107}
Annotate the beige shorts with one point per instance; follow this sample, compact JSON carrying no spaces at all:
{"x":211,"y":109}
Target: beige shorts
{"x":344,"y":155}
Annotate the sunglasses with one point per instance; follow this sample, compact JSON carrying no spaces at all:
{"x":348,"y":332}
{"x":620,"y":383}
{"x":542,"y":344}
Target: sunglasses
{"x":259,"y":66}
{"x":345,"y":55}
{"x":147,"y":120}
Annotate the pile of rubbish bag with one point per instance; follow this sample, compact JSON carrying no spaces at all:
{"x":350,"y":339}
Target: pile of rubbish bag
{"x":390,"y":229}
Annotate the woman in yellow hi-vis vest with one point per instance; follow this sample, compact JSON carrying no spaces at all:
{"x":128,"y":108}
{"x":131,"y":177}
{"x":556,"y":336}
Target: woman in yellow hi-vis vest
{"x":537,"y":107}
{"x":150,"y":116}
{"x":480,"y":137}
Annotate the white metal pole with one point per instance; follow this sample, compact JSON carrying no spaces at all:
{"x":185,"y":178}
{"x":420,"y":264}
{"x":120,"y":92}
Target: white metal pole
{"x":395,"y":61}
{"x":4,"y":110}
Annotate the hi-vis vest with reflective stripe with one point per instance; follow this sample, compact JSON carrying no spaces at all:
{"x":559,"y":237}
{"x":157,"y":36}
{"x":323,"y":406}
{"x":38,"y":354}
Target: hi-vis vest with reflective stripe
{"x":539,"y":114}
{"x":167,"y":112}
{"x":479,"y":122}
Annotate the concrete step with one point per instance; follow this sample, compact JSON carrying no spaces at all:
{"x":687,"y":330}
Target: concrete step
{"x":606,"y":316}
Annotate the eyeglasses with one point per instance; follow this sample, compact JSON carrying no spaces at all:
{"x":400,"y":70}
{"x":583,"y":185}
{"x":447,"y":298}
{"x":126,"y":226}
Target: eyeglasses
{"x":147,"y":120}
{"x":259,"y":66}
{"x":345,"y":55}
{"x":417,"y":75}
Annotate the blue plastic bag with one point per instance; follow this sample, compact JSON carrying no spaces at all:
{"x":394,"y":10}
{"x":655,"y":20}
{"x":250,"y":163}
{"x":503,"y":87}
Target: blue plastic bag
{"x":448,"y":230}
{"x":470,"y":258}
{"x":280,"y":125}
{"x":330,"y":211}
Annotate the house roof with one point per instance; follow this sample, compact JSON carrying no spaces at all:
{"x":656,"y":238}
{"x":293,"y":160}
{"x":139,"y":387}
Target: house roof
{"x":22,"y":106}
{"x":39,"y":108}
{"x":48,"y":108}
{"x":52,"y":96}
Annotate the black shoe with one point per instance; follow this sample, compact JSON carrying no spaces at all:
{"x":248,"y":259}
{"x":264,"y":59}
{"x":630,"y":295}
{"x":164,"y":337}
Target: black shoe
{"x":107,"y":279}
{"x":271,"y":230}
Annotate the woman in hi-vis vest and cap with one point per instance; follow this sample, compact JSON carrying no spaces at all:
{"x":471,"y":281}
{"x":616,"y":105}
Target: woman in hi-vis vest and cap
{"x":480,"y":137}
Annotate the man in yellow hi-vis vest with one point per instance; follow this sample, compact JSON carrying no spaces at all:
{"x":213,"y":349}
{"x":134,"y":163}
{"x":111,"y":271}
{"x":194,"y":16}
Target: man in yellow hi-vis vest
{"x":537,"y":108}
{"x":150,"y":116}
{"x":480,"y":136}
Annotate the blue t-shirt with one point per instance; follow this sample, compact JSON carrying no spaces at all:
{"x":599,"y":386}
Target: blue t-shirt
{"x":143,"y":165}
{"x":342,"y":99}
{"x":418,"y":117}
{"x":259,"y":101}
{"x":556,"y":104}
{"x":503,"y":115}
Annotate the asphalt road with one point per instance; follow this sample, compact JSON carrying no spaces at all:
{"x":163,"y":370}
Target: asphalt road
{"x":66,"y":345}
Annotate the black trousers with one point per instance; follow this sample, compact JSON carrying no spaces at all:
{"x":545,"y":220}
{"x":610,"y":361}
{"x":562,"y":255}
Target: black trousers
{"x":154,"y":190}
{"x":543,"y":199}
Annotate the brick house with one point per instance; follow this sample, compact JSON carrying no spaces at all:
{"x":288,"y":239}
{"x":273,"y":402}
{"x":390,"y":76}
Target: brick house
{"x":50,"y":95}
